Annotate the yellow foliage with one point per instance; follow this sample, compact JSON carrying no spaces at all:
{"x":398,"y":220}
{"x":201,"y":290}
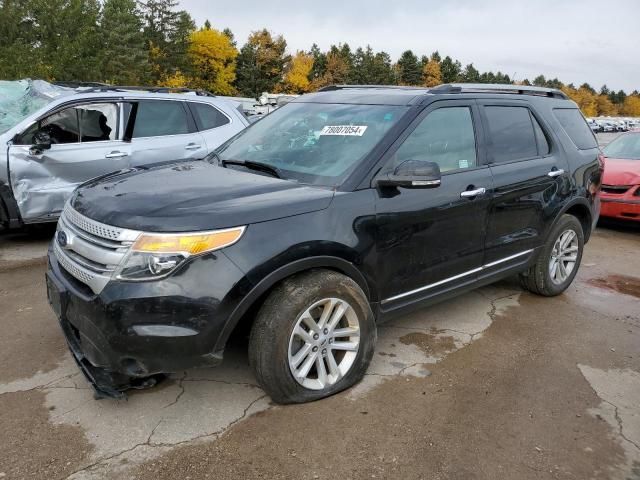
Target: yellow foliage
{"x":296,"y":78}
{"x":335,"y":74}
{"x":606,"y":106}
{"x":177,"y":80}
{"x":631,"y":106}
{"x":586,"y":100}
{"x":155,"y":55}
{"x":431,"y":74}
{"x":213,"y":60}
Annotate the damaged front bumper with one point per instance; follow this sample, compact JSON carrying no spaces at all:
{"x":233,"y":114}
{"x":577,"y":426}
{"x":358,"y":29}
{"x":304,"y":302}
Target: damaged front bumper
{"x":100,"y":331}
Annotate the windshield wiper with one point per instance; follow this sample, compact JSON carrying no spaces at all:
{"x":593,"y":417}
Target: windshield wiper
{"x":259,"y":166}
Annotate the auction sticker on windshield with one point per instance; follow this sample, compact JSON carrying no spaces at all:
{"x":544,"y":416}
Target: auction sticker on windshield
{"x":344,"y":130}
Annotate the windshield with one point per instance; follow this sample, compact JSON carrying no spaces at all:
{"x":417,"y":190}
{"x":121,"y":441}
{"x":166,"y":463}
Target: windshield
{"x":313,"y":143}
{"x":626,"y":146}
{"x":21,"y":98}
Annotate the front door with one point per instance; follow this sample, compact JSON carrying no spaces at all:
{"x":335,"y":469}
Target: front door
{"x":432,"y":240}
{"x":85,"y":144}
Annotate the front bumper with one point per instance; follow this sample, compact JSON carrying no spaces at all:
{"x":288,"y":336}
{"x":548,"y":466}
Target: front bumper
{"x":623,"y":207}
{"x":103,"y":331}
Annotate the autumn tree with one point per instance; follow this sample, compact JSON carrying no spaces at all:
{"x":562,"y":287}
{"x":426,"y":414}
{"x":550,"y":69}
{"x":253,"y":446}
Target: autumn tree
{"x":212,"y":58}
{"x":408,"y":68}
{"x":605,"y":106}
{"x":123,"y":57}
{"x":432,"y":74}
{"x":336,"y":71}
{"x":296,"y":77}
{"x":261,"y":63}
{"x":631,"y":106}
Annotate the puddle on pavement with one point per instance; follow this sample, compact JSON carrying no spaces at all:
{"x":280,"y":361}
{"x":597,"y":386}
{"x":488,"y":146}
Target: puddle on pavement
{"x":430,"y":343}
{"x":618,"y":283}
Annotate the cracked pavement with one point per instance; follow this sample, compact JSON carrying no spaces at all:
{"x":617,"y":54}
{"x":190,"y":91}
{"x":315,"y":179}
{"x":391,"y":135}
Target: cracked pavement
{"x":496,"y":383}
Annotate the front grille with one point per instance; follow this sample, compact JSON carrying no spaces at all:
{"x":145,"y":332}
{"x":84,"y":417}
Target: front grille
{"x":615,"y":189}
{"x":90,"y":251}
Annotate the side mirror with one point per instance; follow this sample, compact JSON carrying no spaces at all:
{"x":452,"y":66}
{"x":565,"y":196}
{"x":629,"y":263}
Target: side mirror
{"x":41,"y":141}
{"x":413,"y":174}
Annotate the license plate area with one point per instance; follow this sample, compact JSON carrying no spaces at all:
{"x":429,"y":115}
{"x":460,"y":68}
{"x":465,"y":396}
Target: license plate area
{"x":57,"y":296}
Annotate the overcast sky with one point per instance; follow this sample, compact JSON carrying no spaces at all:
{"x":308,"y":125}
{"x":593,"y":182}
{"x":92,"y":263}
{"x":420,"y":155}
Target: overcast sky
{"x":597,"y":41}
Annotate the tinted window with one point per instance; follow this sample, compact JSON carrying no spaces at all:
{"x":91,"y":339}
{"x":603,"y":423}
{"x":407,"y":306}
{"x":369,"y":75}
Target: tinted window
{"x":62,"y":126}
{"x":576,"y":127}
{"x":207,"y":116}
{"x":156,"y":118}
{"x":541,"y":137}
{"x":445,"y":137}
{"x":512,"y":134}
{"x":98,"y":122}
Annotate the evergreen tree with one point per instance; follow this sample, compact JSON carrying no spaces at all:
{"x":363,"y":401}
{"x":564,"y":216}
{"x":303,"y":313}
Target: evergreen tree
{"x":18,"y":56}
{"x":470,"y":74}
{"x":319,"y":63}
{"x":450,"y":70}
{"x":123,"y":53}
{"x":260,"y":65}
{"x":409,"y":71}
{"x":540,"y":81}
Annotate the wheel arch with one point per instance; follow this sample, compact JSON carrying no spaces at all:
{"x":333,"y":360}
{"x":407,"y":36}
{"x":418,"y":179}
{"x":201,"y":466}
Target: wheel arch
{"x":580,"y":209}
{"x":242,"y":315}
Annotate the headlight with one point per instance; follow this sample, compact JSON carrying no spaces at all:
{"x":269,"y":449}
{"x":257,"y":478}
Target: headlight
{"x":155,"y":255}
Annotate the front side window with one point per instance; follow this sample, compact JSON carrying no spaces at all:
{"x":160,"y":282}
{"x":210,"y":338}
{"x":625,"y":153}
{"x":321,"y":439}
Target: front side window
{"x":445,"y":136}
{"x":62,"y":127}
{"x":207,"y":116}
{"x":156,"y":118}
{"x":511,"y":132}
{"x":98,"y":122}
{"x":314,"y":143}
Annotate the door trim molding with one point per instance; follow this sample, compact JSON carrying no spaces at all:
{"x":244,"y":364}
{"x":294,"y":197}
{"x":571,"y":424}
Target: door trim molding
{"x":456,"y":277}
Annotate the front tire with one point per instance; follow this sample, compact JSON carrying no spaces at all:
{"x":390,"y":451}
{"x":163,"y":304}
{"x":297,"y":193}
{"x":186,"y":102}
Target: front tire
{"x":314,"y":336}
{"x":558,"y":262}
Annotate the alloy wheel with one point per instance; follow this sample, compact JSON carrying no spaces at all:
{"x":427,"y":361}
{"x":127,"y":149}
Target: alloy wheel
{"x":564,"y":256}
{"x":324,"y":343}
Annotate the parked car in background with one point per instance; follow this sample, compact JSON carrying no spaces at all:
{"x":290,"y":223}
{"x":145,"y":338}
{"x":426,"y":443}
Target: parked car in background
{"x":335,"y":212}
{"x":593,"y":125}
{"x":52,"y":145}
{"x":620,"y":194}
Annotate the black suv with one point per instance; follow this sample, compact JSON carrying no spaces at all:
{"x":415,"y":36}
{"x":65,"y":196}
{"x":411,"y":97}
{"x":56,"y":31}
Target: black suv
{"x":332,"y":214}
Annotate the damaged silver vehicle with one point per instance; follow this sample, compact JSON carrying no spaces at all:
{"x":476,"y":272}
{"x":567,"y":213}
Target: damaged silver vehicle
{"x":54,"y":138}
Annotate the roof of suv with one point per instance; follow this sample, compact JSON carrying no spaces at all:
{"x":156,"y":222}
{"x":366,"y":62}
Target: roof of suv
{"x":406,"y":95}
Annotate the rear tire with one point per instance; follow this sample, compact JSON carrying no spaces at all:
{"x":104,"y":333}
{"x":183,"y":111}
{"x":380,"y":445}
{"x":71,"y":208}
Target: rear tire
{"x":558,"y":261}
{"x":319,"y":325}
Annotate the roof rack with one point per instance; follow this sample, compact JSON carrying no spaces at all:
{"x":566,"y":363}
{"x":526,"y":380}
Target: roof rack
{"x":95,"y":88}
{"x":331,"y":88}
{"x":74,"y":84}
{"x":498,"y":88}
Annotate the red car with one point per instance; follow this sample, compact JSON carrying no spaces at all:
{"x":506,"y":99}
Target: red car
{"x":620,"y":193}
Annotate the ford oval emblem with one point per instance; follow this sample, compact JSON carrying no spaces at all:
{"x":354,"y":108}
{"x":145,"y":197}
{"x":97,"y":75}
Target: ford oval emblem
{"x":62,"y":239}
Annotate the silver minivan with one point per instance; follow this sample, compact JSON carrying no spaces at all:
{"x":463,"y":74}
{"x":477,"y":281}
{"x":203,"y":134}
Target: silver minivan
{"x":79,"y":135}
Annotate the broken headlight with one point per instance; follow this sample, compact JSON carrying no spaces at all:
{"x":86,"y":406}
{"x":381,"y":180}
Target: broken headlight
{"x":156,"y":255}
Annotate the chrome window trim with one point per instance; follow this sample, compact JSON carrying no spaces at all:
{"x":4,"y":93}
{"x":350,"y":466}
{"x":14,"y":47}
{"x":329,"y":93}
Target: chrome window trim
{"x":456,"y":277}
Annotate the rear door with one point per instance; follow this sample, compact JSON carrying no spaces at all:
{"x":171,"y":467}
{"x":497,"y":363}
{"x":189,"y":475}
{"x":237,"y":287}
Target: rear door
{"x":215,"y":125}
{"x":531,"y":179}
{"x":86,"y":142}
{"x":163,"y":131}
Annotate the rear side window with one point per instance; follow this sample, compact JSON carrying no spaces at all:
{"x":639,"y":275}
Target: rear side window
{"x":207,"y":116}
{"x":512,"y":133}
{"x":576,"y":127}
{"x":159,"y":118}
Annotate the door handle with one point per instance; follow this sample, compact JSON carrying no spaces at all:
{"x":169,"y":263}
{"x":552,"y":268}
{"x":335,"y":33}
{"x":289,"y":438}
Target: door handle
{"x":116,"y":154}
{"x":192,"y":146}
{"x":555,"y":173}
{"x":473,"y":193}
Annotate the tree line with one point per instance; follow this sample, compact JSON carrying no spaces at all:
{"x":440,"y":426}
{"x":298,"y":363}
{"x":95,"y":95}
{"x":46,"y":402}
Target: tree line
{"x":153,"y":42}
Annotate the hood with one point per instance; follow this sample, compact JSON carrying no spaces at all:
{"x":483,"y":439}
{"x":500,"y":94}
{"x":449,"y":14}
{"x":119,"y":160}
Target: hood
{"x":193,"y":196}
{"x":619,"y":171}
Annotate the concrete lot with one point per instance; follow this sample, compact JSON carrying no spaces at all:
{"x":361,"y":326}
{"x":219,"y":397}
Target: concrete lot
{"x":497,"y":383}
